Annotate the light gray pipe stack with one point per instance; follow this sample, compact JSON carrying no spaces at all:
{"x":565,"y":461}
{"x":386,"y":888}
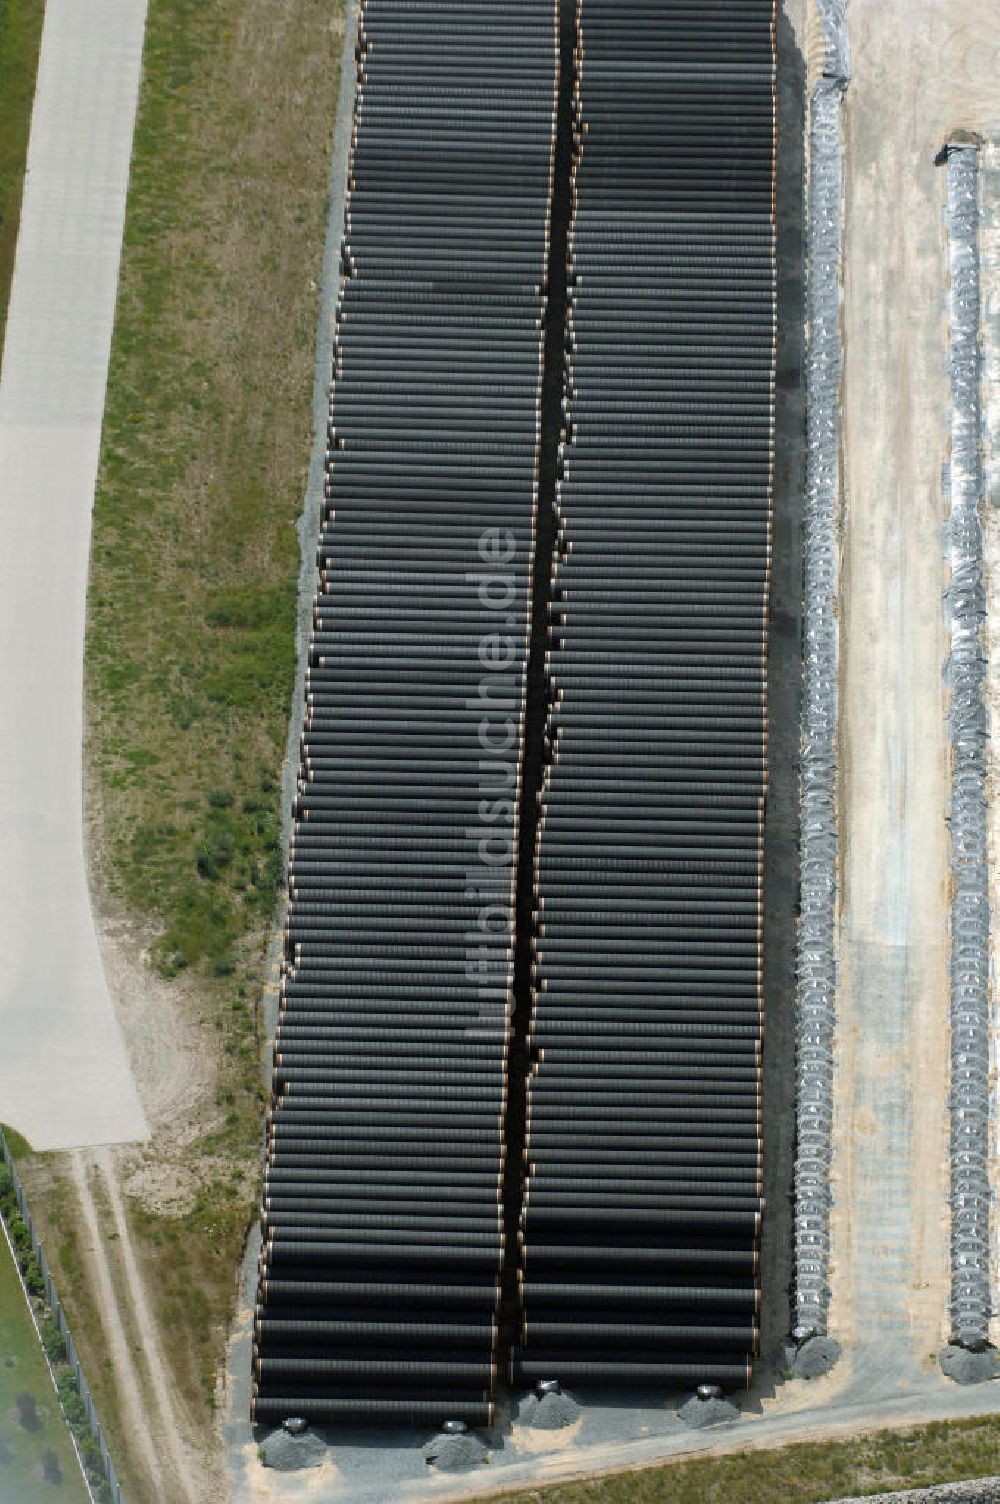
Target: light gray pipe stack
{"x":816,"y":963}
{"x":968,"y":730}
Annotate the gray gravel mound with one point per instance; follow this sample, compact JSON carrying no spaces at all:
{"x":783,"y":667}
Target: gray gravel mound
{"x":814,"y":1358}
{"x":549,"y":1412}
{"x":289,"y":1454}
{"x":967,"y":1367}
{"x":698,"y":1413}
{"x":455,"y":1454}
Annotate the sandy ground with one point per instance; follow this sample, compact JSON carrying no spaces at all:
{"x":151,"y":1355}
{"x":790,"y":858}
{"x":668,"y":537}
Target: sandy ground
{"x":65,"y":1079}
{"x":922,"y":68}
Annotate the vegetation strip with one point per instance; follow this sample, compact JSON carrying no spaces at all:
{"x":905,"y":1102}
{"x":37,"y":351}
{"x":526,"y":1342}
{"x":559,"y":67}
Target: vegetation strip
{"x":808,"y":1473}
{"x":20,"y":40}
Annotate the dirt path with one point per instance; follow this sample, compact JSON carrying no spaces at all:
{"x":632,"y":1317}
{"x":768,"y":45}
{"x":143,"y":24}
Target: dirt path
{"x":186,"y":1473}
{"x":119,"y":1348}
{"x":150,"y":1406}
{"x":921,"y":69}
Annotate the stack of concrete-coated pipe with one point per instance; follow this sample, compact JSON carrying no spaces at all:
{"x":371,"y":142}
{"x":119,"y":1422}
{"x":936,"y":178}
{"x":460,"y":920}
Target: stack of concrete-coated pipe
{"x":640,"y":1227}
{"x":381,"y":1215}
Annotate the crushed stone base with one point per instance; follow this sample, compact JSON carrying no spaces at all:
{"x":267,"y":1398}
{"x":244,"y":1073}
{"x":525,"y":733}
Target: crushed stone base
{"x":814,"y":1358}
{"x":698,"y":1413}
{"x":290,"y":1454}
{"x":967,"y":1367}
{"x":456,"y":1454}
{"x":550,"y":1412}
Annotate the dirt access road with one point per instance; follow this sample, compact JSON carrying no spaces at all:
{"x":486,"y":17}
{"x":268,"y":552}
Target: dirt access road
{"x":921,"y":69}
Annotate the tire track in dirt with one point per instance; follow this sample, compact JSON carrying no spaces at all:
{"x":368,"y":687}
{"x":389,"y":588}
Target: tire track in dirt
{"x":187,"y":1476}
{"x":119,"y":1351}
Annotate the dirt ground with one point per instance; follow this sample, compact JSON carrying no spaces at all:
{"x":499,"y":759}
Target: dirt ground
{"x":922,"y":68}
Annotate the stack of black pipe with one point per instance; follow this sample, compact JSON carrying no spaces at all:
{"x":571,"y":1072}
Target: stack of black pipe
{"x":640,"y":1228}
{"x":381,"y":1215}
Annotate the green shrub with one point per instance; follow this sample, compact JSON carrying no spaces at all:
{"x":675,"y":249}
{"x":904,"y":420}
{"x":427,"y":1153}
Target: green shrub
{"x":17,"y":1145}
{"x":19,"y":1236}
{"x":91,"y":1454}
{"x":34,"y":1280}
{"x":69,"y":1397}
{"x":52,"y":1339}
{"x":214,"y":855}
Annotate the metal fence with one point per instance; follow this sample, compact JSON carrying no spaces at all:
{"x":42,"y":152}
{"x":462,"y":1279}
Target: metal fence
{"x":55,"y":1305}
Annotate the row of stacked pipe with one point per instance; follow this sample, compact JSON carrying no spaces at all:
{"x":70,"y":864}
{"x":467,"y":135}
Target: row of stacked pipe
{"x":643,"y":1203}
{"x":383,"y":1247}
{"x":382,"y":1225}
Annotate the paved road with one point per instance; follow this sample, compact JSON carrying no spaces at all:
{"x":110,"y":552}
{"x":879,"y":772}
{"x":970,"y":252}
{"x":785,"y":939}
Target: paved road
{"x":65,"y":1079}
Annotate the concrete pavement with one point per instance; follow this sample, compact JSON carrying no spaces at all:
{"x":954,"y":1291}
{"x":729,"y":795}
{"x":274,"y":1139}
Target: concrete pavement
{"x":65,"y":1079}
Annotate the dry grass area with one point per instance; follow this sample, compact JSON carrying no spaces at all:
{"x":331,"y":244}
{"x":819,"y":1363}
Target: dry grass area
{"x":190,"y":650}
{"x":206,"y":441}
{"x":804,"y":1474}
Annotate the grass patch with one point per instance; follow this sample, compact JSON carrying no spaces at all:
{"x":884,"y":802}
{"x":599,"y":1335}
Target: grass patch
{"x":16,"y":1143}
{"x":809,"y":1473}
{"x":194,"y":1314}
{"x":207,"y":432}
{"x":20,"y":39}
{"x":35,"y":1444}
